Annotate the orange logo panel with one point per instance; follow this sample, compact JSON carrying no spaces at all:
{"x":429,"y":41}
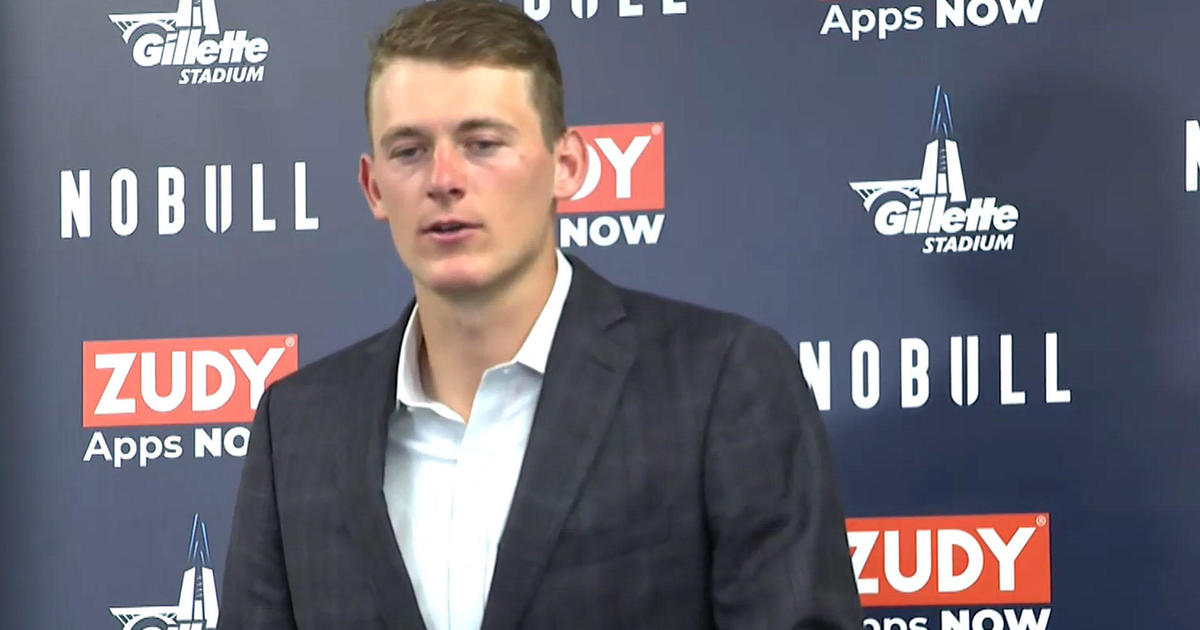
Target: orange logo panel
{"x":951,"y":560}
{"x":202,"y":380}
{"x":625,"y":170}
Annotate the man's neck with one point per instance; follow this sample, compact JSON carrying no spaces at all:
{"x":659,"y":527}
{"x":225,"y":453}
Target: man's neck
{"x":463,"y":336}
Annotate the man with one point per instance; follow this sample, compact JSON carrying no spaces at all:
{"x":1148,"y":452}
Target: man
{"x":528,"y":446}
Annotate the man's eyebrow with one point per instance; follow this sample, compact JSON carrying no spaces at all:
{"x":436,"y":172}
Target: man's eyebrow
{"x":397,"y":133}
{"x":495,"y":124}
{"x":466,"y":126}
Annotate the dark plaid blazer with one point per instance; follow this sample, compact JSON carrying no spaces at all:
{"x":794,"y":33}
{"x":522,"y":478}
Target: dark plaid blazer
{"x":677,"y":476}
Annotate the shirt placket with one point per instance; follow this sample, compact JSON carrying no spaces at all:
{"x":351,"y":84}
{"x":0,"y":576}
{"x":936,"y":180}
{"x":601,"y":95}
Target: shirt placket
{"x":468,"y":559}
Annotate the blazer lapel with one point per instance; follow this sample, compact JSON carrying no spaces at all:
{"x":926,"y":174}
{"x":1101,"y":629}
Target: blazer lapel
{"x":360,"y":484}
{"x":588,"y":362}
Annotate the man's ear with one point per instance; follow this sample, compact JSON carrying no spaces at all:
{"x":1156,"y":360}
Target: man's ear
{"x":570,"y":164}
{"x":366,"y":180}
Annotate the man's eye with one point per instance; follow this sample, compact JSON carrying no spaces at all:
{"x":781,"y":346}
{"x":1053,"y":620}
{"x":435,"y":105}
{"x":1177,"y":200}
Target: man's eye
{"x":406,"y":153}
{"x":483,"y":146}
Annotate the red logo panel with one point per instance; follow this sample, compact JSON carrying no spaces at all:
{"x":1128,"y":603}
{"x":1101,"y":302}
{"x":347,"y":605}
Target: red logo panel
{"x":204,"y":380}
{"x":625,"y":170}
{"x":951,"y":560}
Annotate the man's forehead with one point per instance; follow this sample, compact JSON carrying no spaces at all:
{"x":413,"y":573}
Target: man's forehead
{"x":413,"y":81}
{"x":419,"y":93}
{"x":414,"y":64}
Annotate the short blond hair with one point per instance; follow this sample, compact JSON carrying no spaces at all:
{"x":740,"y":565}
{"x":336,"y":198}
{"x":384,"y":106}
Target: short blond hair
{"x":475,"y":32}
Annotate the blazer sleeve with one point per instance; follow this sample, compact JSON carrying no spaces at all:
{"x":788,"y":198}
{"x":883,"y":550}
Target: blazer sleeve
{"x":255,"y":594}
{"x":779,"y":553}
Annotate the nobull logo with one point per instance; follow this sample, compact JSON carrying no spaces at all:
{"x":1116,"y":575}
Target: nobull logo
{"x":586,"y":9}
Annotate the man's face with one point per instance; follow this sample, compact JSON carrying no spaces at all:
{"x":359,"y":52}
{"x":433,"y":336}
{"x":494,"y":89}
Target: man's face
{"x":461,"y":173}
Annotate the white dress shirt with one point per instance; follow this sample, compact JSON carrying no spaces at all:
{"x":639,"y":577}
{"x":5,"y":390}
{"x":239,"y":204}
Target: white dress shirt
{"x":449,"y":483}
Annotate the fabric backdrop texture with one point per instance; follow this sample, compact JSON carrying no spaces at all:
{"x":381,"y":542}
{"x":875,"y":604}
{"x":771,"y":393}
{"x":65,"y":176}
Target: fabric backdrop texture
{"x":973,"y":221}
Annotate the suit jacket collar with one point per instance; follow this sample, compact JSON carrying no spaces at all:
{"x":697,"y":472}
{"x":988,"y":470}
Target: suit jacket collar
{"x":591,"y":354}
{"x":371,"y":401}
{"x":533,"y":352}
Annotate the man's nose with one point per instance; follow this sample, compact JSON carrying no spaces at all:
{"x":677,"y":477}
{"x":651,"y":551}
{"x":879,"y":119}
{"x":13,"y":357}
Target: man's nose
{"x":447,"y":180}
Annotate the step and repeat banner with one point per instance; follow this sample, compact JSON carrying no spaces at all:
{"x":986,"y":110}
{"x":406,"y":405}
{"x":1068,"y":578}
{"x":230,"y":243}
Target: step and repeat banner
{"x":975,"y":220}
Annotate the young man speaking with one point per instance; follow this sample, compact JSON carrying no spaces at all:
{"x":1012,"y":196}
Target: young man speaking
{"x":528,"y":446}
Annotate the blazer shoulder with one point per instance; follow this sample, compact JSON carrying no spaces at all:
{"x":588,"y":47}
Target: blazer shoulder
{"x":668,"y":319}
{"x":336,"y":366}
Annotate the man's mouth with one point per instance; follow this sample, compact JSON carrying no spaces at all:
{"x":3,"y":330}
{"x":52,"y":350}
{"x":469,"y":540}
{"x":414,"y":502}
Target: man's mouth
{"x":448,"y":227}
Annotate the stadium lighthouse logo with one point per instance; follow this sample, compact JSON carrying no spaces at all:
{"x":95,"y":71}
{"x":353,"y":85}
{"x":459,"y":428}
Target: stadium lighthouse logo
{"x":197,"y":608}
{"x":936,"y":205}
{"x":191,"y":39}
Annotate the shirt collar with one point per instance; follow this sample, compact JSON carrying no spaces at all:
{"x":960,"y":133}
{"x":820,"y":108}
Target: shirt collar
{"x":533,"y":353}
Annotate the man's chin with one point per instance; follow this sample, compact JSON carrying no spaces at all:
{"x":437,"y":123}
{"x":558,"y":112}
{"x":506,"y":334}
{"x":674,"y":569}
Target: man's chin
{"x":458,"y":286}
{"x":456,"y":281}
{"x":469,"y":277}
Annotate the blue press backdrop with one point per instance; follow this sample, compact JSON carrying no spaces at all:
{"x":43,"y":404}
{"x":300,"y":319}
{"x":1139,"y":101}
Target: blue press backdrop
{"x":1076,"y":118}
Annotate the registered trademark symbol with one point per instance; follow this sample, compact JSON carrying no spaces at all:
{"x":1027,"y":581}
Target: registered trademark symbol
{"x":656,"y":129}
{"x":1041,"y":520}
{"x":290,"y":342}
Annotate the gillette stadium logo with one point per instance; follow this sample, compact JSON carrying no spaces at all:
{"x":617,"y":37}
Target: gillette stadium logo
{"x":197,"y":608}
{"x":191,"y":39}
{"x":936,"y":205}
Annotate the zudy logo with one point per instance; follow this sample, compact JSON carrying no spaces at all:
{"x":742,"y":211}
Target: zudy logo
{"x":933,"y":206}
{"x":884,"y":21}
{"x":191,"y":39}
{"x":172,"y":382}
{"x":154,"y":382}
{"x":959,"y":561}
{"x":625,"y":174}
{"x":941,"y":560}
